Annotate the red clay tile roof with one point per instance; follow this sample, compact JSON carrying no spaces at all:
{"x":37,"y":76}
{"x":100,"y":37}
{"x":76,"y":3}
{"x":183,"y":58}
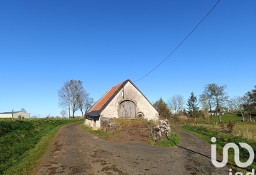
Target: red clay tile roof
{"x":94,"y":112}
{"x":105,"y":98}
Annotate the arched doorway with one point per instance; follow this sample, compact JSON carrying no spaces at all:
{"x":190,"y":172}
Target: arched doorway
{"x":127,"y":109}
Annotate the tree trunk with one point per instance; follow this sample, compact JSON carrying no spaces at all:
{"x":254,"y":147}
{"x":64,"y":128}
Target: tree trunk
{"x":68,"y":111}
{"x":219,"y":116}
{"x":82,"y":113}
{"x":217,"y":110}
{"x":242,"y":117}
{"x":73,"y":111}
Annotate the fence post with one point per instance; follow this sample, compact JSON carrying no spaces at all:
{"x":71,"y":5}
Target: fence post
{"x":247,"y":133}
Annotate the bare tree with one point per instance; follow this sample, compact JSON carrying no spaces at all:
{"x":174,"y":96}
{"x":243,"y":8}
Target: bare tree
{"x":206,"y":106}
{"x":73,"y":97}
{"x":216,"y":97}
{"x":77,"y":94}
{"x":81,"y":101}
{"x":85,"y":102}
{"x":176,"y":103}
{"x":233,"y":105}
{"x":65,"y":97}
{"x":236,"y":104}
{"x":63,"y":113}
{"x":248,"y":105}
{"x":207,"y":101}
{"x":88,"y":103}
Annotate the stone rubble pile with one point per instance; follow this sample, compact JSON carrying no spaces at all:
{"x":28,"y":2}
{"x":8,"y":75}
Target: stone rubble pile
{"x":161,"y":131}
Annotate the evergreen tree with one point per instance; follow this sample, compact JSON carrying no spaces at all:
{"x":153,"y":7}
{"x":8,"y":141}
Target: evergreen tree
{"x":192,"y":106}
{"x":162,"y":109}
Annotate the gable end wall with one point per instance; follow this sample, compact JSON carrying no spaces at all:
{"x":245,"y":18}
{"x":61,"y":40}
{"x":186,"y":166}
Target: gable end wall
{"x":130,"y":93}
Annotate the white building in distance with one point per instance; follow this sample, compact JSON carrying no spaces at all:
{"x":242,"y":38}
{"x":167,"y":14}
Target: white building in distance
{"x":15,"y":114}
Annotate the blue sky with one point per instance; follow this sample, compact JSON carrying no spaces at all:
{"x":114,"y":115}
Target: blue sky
{"x":46,"y":42}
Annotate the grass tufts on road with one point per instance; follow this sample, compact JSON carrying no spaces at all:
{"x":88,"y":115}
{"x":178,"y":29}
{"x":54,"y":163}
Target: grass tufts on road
{"x":98,"y":133}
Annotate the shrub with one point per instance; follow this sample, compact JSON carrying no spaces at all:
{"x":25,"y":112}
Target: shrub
{"x":230,"y":127}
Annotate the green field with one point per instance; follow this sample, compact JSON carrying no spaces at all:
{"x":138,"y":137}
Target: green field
{"x":225,"y":118}
{"x":244,"y":129}
{"x":206,"y":132}
{"x":24,"y":142}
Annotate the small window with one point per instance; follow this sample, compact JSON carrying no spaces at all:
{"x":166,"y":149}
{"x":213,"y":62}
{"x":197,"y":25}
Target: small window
{"x":123,"y":93}
{"x":140,"y":115}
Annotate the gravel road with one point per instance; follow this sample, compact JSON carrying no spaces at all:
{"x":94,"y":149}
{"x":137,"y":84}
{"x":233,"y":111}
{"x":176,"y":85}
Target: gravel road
{"x":76,"y":152}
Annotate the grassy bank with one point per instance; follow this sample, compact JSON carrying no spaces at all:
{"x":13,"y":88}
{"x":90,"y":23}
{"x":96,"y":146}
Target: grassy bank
{"x":132,"y":130}
{"x":222,"y":139}
{"x":24,"y":142}
{"x":98,"y":133}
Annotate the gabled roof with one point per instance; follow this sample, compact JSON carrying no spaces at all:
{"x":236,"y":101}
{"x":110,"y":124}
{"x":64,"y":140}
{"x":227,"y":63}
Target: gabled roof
{"x":14,"y":112}
{"x":101,"y":104}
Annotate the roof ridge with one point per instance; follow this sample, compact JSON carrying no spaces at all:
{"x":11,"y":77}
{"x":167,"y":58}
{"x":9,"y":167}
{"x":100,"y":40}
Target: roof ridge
{"x":10,"y":112}
{"x":106,"y":98}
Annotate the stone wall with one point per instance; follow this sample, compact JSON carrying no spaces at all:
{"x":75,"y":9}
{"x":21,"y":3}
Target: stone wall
{"x":129,"y":92}
{"x":107,"y":124}
{"x":95,"y":124}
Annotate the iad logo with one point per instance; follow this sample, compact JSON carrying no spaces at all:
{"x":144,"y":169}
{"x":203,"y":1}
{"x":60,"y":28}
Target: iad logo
{"x":236,"y":156}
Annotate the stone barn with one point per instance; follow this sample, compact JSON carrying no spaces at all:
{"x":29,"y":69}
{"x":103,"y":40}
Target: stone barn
{"x":124,"y":100}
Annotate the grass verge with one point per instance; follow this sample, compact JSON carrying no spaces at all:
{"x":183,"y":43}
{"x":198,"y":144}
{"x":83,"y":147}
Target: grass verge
{"x":23,"y":142}
{"x":98,"y":133}
{"x":33,"y":158}
{"x":172,"y":141}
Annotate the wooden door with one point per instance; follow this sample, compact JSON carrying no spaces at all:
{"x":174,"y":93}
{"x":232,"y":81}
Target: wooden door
{"x":127,"y":109}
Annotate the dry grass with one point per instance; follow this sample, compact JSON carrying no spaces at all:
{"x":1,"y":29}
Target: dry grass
{"x":246,"y":131}
{"x":137,"y":130}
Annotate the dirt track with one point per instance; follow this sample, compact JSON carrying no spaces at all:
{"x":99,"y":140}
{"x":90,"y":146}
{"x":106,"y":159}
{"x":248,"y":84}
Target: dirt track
{"x":76,"y":152}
